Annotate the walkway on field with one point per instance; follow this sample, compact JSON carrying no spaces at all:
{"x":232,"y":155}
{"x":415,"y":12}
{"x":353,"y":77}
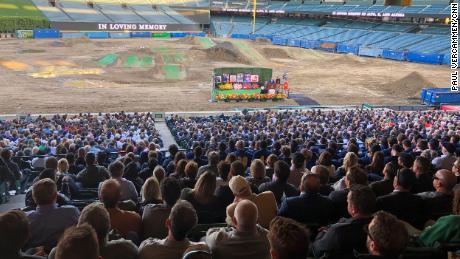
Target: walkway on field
{"x":165,"y":134}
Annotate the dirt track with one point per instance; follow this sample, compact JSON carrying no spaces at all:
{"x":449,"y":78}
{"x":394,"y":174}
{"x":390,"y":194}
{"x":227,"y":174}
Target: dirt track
{"x":175,"y":75}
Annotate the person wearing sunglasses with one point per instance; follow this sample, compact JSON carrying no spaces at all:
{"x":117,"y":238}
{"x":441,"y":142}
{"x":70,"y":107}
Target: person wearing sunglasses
{"x":440,"y":201}
{"x":386,"y":236}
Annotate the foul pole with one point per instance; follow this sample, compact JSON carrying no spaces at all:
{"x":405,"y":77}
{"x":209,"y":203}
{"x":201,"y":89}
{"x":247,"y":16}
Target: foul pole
{"x":254,"y":11}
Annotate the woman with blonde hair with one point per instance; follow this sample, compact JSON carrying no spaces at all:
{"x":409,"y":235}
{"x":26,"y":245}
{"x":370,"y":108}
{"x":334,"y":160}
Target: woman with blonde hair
{"x":150,"y":192}
{"x":257,"y":170}
{"x":350,"y":161}
{"x":66,"y":182}
{"x":204,"y":201}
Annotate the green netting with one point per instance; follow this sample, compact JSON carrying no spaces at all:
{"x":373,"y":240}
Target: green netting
{"x":161,"y":49}
{"x":247,"y":50}
{"x":147,"y":61}
{"x":108,"y":60}
{"x":265,"y":74}
{"x":161,"y":35}
{"x":206,"y":42}
{"x":131,"y":61}
{"x":172,"y":71}
{"x":167,"y":59}
{"x":179,"y":57}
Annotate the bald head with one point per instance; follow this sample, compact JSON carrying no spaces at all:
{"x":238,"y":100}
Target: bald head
{"x":110,"y":193}
{"x":444,"y":180}
{"x":245,"y":218}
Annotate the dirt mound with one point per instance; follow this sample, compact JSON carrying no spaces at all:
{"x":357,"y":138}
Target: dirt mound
{"x":275,"y":53}
{"x":191,"y":40}
{"x":73,"y":42}
{"x":349,"y":59}
{"x":263,"y":41}
{"x":226,"y":51}
{"x":409,"y":86}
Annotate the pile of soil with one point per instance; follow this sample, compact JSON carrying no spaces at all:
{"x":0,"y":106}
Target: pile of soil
{"x":263,"y":41}
{"x":349,"y":59}
{"x":189,"y":40}
{"x":275,"y":53}
{"x":226,"y":51}
{"x":409,"y":86}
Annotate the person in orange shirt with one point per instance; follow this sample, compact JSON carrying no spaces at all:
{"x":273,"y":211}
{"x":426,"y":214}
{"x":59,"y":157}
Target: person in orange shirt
{"x":127,"y":223}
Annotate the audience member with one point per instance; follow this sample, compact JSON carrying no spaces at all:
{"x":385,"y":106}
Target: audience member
{"x":79,"y":242}
{"x":48,"y":221}
{"x":288,"y":239}
{"x":181,"y":221}
{"x":127,"y":223}
{"x":92,"y":175}
{"x":279,"y":185}
{"x":341,"y":239}
{"x":310,"y":206}
{"x":246,"y":240}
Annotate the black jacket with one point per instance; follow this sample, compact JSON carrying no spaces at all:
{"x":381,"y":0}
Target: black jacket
{"x":406,"y":206}
{"x":308,"y":208}
{"x":382,"y":187}
{"x":339,"y":200}
{"x":342,"y":239}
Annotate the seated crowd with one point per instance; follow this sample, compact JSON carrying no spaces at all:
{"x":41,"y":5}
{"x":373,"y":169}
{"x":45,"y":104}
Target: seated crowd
{"x":339,"y":184}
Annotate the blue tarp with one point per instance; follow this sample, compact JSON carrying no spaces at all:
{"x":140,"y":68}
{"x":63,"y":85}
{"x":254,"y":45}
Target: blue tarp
{"x":309,"y":44}
{"x":198,"y":34}
{"x":279,"y":41}
{"x":72,"y":35}
{"x":394,"y":54}
{"x":120,"y":35}
{"x":46,"y":34}
{"x":425,"y":58}
{"x":141,"y":34}
{"x":447,"y":59}
{"x":97,"y":35}
{"x":437,"y":96}
{"x":344,"y":48}
{"x":370,"y":52}
{"x":294,"y":43}
{"x":178,"y":34}
{"x":240,"y":36}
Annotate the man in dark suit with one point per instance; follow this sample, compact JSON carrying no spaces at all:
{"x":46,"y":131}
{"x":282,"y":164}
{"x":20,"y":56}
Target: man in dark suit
{"x":403,"y":204}
{"x":440,"y":201}
{"x":279,"y":186}
{"x":309,"y":206}
{"x":353,"y":177}
{"x":342,"y":238}
{"x":422,"y":170}
{"x":385,"y":186}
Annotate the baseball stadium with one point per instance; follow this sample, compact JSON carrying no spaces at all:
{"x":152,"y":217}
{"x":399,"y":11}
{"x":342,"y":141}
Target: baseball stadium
{"x":188,"y":129}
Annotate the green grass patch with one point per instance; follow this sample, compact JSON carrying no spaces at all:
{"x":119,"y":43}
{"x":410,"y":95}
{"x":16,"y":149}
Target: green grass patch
{"x":131,"y":61}
{"x":180,"y":57}
{"x":247,"y":50}
{"x":107,"y":60}
{"x":167,"y":59}
{"x":19,"y":8}
{"x":146,"y":61}
{"x":172,"y":72}
{"x":206,"y":42}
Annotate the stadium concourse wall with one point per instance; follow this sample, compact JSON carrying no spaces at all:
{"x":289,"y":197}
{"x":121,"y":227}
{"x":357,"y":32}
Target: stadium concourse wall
{"x":55,"y":34}
{"x":361,"y":50}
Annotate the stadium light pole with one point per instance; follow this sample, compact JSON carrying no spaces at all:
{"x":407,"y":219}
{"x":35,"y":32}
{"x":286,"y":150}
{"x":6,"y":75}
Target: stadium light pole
{"x":254,"y":16}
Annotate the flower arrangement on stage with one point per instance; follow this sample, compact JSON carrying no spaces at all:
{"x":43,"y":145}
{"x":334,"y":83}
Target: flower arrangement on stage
{"x":250,"y":97}
{"x":227,"y":86}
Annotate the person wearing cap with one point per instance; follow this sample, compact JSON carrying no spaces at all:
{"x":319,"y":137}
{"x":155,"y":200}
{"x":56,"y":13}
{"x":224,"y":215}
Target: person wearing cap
{"x":265,"y":201}
{"x":448,"y":157}
{"x":247,"y":240}
{"x":402,"y":203}
{"x":440,"y":201}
